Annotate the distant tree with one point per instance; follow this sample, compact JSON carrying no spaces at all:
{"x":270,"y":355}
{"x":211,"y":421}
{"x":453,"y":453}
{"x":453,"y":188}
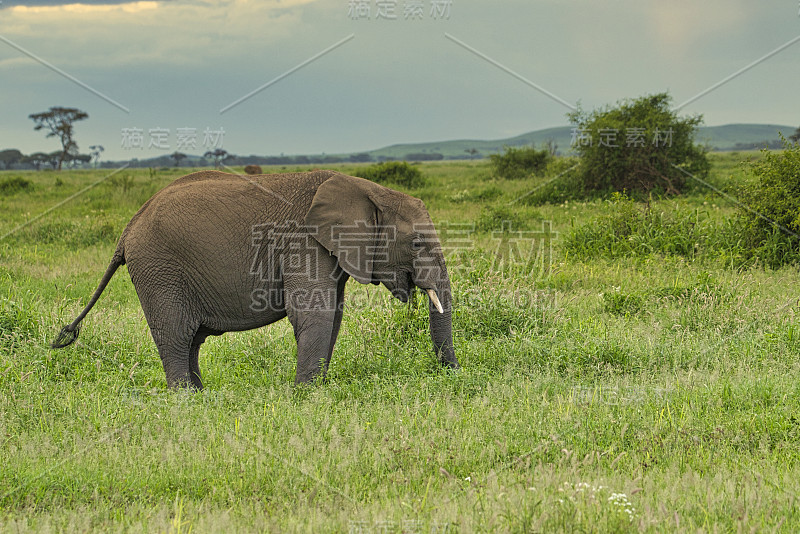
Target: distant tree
{"x":10,"y":156}
{"x":58,"y":122}
{"x":178,"y":156}
{"x":36,"y":160}
{"x":230,"y":159}
{"x":55,"y":159}
{"x":424,"y":156}
{"x":473,"y":152}
{"x":75,"y":160}
{"x":360,"y":158}
{"x":216,"y":156}
{"x":795,"y":136}
{"x":95,"y":151}
{"x":278,"y":160}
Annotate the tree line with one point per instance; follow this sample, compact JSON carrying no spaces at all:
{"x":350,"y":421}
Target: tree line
{"x":59,"y":122}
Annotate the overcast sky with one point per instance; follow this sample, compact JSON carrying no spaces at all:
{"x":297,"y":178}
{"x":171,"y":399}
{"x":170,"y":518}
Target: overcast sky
{"x":170,"y":65}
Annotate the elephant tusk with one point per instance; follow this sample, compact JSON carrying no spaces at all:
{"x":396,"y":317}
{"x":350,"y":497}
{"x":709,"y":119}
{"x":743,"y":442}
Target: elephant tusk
{"x":435,"y":300}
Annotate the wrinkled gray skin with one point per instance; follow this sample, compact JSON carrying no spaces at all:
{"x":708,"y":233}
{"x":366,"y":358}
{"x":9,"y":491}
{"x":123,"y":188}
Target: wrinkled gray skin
{"x":215,"y":252}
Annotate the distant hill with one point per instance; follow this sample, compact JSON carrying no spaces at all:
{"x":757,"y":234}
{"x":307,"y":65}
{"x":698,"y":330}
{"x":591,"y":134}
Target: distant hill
{"x":739,"y":136}
{"x":727,"y":137}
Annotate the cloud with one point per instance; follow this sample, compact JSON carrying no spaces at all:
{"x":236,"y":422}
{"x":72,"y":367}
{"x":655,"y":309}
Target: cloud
{"x":34,"y":3}
{"x":680,"y":25}
{"x":148,"y":32}
{"x":84,"y":8}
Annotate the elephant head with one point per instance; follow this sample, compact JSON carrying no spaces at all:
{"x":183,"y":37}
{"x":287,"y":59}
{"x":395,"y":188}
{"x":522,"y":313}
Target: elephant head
{"x":383,"y":236}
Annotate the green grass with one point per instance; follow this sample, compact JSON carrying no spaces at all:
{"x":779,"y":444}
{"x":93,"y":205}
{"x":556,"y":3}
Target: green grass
{"x":650,"y":391}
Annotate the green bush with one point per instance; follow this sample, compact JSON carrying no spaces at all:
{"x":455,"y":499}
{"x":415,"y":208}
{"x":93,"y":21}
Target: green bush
{"x":639,"y":146}
{"x":770,"y":207}
{"x":393,"y":172}
{"x":518,"y":163}
{"x":15,"y":184}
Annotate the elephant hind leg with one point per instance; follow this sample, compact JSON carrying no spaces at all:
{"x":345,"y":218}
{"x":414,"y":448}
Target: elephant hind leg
{"x":179,"y":347}
{"x":194,"y":355}
{"x":176,"y":329}
{"x":194,"y":362}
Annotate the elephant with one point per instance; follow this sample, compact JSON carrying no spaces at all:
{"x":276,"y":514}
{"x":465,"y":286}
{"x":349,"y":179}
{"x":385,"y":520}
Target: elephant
{"x":215,"y":252}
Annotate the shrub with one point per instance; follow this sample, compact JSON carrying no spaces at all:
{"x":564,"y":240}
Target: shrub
{"x":770,"y":207}
{"x":253,"y":169}
{"x":518,"y":163}
{"x":15,"y":184}
{"x":639,"y":146}
{"x":393,"y":172}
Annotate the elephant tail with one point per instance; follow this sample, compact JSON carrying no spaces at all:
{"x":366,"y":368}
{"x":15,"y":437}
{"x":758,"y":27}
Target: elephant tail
{"x":69,"y":333}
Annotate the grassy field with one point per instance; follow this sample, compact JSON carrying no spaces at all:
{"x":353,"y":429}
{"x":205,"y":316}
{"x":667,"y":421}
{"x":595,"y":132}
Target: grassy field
{"x":646,"y":387}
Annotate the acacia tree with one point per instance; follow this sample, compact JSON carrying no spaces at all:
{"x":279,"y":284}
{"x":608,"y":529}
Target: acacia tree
{"x":79,"y":159}
{"x":10,"y":156}
{"x":94,"y":152}
{"x":177,"y":156}
{"x":36,"y":159}
{"x":58,"y":122}
{"x":55,"y":159}
{"x":218,"y":155}
{"x":795,"y":136}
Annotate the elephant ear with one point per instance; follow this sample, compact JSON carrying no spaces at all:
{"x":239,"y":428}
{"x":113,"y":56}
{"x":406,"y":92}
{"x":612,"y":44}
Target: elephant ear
{"x":344,"y":217}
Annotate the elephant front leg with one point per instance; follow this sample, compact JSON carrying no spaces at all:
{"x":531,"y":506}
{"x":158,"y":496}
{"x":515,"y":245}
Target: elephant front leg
{"x":313,"y":336}
{"x":315,"y":318}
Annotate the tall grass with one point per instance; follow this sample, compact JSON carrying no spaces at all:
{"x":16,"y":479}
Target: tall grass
{"x":633,"y":229}
{"x":634,"y":386}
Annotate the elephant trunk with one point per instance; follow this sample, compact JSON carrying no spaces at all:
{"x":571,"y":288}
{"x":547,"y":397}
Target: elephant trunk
{"x":441,"y":323}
